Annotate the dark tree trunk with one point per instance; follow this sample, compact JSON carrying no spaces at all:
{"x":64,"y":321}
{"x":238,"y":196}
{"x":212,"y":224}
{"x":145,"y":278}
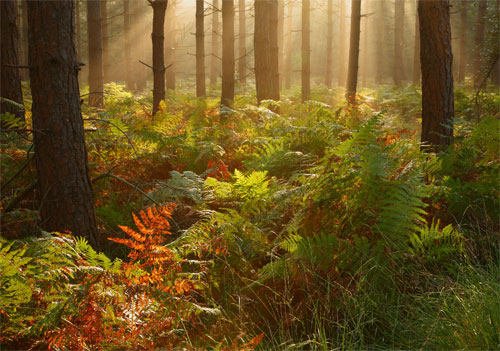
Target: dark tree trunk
{"x":170,"y":46}
{"x":437,"y":78}
{"x":379,"y":43}
{"x":463,"y":42}
{"x":266,"y":50}
{"x":242,"y":32}
{"x":352,"y":73}
{"x":96,"y":80}
{"x":364,"y":50}
{"x":61,"y":159}
{"x":281,"y":40}
{"x":10,"y":87}
{"x":416,"y":49}
{"x":105,"y":40}
{"x":24,"y":58}
{"x":399,"y":15}
{"x":478,"y":42}
{"x":329,"y":45}
{"x":78,"y":32}
{"x":200,"y":49}
{"x":214,"y":60}
{"x":341,"y":75}
{"x":127,"y":44}
{"x":158,"y":39}
{"x":306,"y":50}
{"x":227,"y":52}
{"x":288,"y":54}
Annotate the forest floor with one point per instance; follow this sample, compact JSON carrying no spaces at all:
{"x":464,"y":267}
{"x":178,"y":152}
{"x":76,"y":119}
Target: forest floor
{"x":323,"y":227}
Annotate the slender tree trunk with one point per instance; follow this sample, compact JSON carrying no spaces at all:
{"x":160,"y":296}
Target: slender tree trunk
{"x":242,"y":63}
{"x":352,"y":73}
{"x":266,"y":50}
{"x":126,"y":44}
{"x":364,"y":50}
{"x":200,"y":49}
{"x":342,"y":46}
{"x":437,"y":78}
{"x":24,"y":59}
{"x":96,"y":80}
{"x":463,"y":42}
{"x":399,"y":13}
{"x":416,"y":49}
{"x":478,"y":43}
{"x":78,"y":32}
{"x":329,"y":45}
{"x":281,"y":40}
{"x":158,"y":39}
{"x":227,"y":52}
{"x":495,"y":73}
{"x":214,"y":60}
{"x":288,"y":44}
{"x":379,"y":42}
{"x":105,"y":40}
{"x":61,"y":159}
{"x":10,"y":87}
{"x":306,"y":50}
{"x":170,"y":43}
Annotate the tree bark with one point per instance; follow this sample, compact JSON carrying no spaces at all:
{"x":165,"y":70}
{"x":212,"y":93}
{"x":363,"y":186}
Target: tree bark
{"x":170,"y":43}
{"x":266,"y":50}
{"x":200,"y":49}
{"x":306,"y":50}
{"x":478,"y":42}
{"x":227,"y":53}
{"x":341,"y":75}
{"x":127,"y":44}
{"x":214,"y":60}
{"x":10,"y":87}
{"x":61,"y":159}
{"x":242,"y":32}
{"x":105,"y":40}
{"x":78,"y":31}
{"x":158,"y":40}
{"x":399,"y":15}
{"x":288,"y":53}
{"x":329,"y":45}
{"x":379,"y":43}
{"x":416,"y":49}
{"x":96,"y":79}
{"x":24,"y":58}
{"x":437,"y":78}
{"x":352,"y":73}
{"x":281,"y":40}
{"x":463,"y":42}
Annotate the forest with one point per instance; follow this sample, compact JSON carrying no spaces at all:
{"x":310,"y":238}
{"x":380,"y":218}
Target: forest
{"x":249,"y":175}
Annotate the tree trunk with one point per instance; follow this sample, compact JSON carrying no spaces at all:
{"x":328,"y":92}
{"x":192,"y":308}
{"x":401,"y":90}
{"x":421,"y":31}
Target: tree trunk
{"x":10,"y":87}
{"x":105,"y":40}
{"x":352,"y":73}
{"x":170,"y":46}
{"x":96,"y":80}
{"x":437,"y":78}
{"x":329,"y":45}
{"x":61,"y":159}
{"x":463,"y":42}
{"x":379,"y":43}
{"x":200,"y":49}
{"x":478,"y":42}
{"x":24,"y":59}
{"x":306,"y":50}
{"x":78,"y":32}
{"x":242,"y":63}
{"x":127,"y":44}
{"x":227,"y":53}
{"x":364,"y":50}
{"x":399,"y":15}
{"x":342,"y":47}
{"x":281,"y":40}
{"x":416,"y":49}
{"x":158,"y":39}
{"x":214,"y":60}
{"x":288,"y":54}
{"x":266,"y":50}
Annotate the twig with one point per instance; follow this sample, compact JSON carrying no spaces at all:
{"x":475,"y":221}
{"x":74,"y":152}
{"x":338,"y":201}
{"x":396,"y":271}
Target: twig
{"x":2,"y":189}
{"x":19,"y":197}
{"x":135,"y":187}
{"x":126,"y":136}
{"x":145,"y":64}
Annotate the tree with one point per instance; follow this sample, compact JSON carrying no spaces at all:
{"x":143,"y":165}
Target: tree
{"x":281,"y":40}
{"x":61,"y":159}
{"x":126,"y":43}
{"x":227,"y":52}
{"x":158,"y":39}
{"x":399,"y":15}
{"x":379,"y":42}
{"x":352,"y":73}
{"x":306,"y":50}
{"x":437,"y":78}
{"x":96,"y":79}
{"x":478,"y":42}
{"x":287,"y":70}
{"x":200,"y":49}
{"x":105,"y":40}
{"x":10,"y":87}
{"x":78,"y":34}
{"x":341,"y":55}
{"x":214,"y":63}
{"x":329,"y":45}
{"x":416,"y":49}
{"x":463,"y":42}
{"x":242,"y":62}
{"x":266,"y":50}
{"x":170,"y":43}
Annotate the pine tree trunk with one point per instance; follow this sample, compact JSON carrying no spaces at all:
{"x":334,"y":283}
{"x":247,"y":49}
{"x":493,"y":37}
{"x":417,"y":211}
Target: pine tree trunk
{"x":24,"y":59}
{"x":281,"y":40}
{"x":462,"y":66}
{"x":341,"y":75}
{"x":306,"y":50}
{"x":105,"y":40}
{"x":227,"y":52}
{"x":78,"y":32}
{"x":478,"y":43}
{"x":364,"y":50}
{"x":379,"y":43}
{"x":399,"y":13}
{"x":158,"y":39}
{"x":10,"y":87}
{"x":170,"y":46}
{"x":64,"y":184}
{"x":214,"y":60}
{"x":200,"y":49}
{"x":437,"y":79}
{"x":242,"y":63}
{"x":266,"y":50}
{"x":352,"y":73}
{"x":416,"y":49}
{"x":127,"y":44}
{"x":96,"y":79}
{"x":288,"y":45}
{"x":329,"y":45}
